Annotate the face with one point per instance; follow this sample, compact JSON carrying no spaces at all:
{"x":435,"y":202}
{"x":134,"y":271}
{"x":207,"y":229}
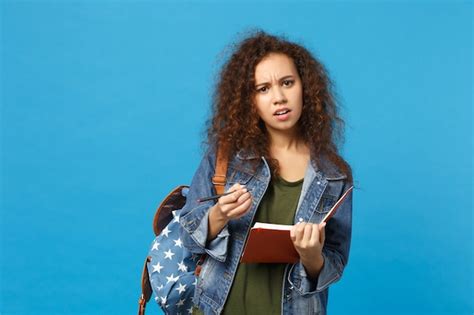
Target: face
{"x":278,"y":93}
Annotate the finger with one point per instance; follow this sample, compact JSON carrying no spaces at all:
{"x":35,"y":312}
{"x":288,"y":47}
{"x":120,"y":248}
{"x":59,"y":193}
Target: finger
{"x":233,"y":197}
{"x":240,"y":210}
{"x":315,"y":235}
{"x":300,"y":231}
{"x":236,"y":186}
{"x":242,"y":198}
{"x":322,"y":232}
{"x":293,"y":233}
{"x":308,"y":230}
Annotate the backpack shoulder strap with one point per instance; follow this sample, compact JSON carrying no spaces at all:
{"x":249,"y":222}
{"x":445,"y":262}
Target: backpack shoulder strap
{"x":146,"y":289}
{"x":219,"y":180}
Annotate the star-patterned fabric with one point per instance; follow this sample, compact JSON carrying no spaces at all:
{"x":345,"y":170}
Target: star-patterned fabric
{"x":171,"y":270}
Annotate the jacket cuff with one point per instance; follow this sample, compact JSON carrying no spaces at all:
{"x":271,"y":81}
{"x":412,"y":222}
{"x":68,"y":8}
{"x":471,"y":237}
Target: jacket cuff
{"x":196,"y":223}
{"x":305,"y":286}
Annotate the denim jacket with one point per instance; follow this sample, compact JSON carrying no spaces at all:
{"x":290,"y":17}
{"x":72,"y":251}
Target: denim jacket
{"x":323,"y":184}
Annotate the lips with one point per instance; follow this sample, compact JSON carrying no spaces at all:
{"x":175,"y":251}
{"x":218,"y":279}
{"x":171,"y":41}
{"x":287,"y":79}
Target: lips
{"x":281,"y":111}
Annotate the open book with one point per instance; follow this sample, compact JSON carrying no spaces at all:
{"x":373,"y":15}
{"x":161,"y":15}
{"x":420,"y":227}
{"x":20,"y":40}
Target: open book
{"x":271,"y":243}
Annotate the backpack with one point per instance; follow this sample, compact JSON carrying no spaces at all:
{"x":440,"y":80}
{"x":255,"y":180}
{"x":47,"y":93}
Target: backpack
{"x":174,"y":270}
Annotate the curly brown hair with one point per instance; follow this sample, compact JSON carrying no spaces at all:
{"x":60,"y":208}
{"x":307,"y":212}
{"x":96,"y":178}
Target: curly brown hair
{"x":235,"y":124}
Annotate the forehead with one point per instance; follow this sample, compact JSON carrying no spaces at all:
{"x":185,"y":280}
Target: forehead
{"x":275,"y":64}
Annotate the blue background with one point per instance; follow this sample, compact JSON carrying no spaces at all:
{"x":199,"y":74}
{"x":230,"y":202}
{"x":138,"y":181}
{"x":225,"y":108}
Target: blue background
{"x":102,"y":113}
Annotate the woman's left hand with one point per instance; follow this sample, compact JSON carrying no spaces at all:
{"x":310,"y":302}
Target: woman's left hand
{"x":308,"y":239}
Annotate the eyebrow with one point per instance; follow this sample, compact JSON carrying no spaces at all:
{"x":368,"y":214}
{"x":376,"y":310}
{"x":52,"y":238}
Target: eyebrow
{"x":281,"y":79}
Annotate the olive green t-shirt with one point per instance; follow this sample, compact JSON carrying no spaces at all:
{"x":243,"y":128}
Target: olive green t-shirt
{"x":257,"y":287}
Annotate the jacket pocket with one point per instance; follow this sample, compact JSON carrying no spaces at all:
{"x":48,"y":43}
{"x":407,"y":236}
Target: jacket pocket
{"x":325,"y":204}
{"x":237,"y":176}
{"x":206,"y":272}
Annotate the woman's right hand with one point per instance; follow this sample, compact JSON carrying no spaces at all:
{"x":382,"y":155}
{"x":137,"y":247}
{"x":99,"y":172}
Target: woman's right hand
{"x":228,"y":207}
{"x":234,"y":205}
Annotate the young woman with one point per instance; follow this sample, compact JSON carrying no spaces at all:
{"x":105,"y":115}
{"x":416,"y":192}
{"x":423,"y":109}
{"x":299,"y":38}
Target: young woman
{"x":276,"y":121}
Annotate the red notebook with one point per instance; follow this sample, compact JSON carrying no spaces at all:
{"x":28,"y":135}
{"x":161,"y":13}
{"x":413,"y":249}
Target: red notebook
{"x":271,"y":243}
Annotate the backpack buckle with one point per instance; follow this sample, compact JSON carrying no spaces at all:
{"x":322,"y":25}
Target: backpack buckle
{"x":218,"y":180}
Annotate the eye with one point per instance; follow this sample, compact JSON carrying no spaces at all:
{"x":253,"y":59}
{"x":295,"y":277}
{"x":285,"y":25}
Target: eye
{"x":263,"y":89}
{"x":288,"y":82}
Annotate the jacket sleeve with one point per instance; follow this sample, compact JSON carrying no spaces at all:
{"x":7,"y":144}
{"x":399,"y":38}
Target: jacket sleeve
{"x":335,"y":252}
{"x":194,"y":216}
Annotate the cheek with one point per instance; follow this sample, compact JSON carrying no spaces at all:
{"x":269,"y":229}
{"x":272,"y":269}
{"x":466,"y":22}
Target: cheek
{"x":260,"y":106}
{"x":297,"y":95}
{"x":299,"y":107}
{"x":298,"y":100}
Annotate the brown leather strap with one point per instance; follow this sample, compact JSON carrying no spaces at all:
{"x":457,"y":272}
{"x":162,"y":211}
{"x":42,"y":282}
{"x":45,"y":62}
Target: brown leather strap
{"x":141,"y":305}
{"x":146,"y":288}
{"x":220,"y":173}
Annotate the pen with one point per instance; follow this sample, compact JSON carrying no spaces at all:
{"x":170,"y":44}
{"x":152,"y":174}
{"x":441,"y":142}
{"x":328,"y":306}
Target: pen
{"x":214,"y":197}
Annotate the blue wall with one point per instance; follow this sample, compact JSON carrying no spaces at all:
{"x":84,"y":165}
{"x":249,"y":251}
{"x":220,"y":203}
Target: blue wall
{"x":102,"y":113}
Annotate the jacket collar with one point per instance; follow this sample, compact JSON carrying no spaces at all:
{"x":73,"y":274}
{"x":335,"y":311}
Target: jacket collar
{"x":328,"y":169}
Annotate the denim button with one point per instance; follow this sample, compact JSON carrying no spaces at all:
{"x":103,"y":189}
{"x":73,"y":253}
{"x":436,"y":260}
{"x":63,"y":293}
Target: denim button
{"x":318,"y":182}
{"x":300,"y":219}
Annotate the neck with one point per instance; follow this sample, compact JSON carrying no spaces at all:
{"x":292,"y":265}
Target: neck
{"x":285,"y":141}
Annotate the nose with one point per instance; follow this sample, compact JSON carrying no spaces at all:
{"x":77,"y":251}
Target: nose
{"x":278,"y":96}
